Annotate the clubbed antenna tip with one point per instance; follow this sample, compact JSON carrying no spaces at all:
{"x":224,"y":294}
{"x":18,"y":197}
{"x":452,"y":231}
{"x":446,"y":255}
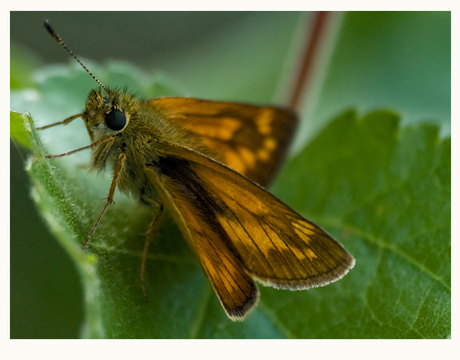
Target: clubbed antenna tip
{"x":60,"y":41}
{"x":48,"y":27}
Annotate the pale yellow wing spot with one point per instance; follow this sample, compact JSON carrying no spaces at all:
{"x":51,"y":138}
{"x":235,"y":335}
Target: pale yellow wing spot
{"x":270,"y":144}
{"x":247,"y":244}
{"x":263,"y":155}
{"x":301,"y":234}
{"x":304,"y":254}
{"x":225,"y":129}
{"x":310,"y":254}
{"x":264,"y":122}
{"x":304,"y":229}
{"x":240,"y":161}
{"x":247,"y":156}
{"x":277,"y":255}
{"x":306,"y":233}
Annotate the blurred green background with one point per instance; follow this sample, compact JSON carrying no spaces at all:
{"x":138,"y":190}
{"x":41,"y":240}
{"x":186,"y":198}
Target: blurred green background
{"x":373,"y":60}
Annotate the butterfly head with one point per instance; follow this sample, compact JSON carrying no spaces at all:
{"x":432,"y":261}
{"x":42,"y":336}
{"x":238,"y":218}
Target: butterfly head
{"x":108,"y":112}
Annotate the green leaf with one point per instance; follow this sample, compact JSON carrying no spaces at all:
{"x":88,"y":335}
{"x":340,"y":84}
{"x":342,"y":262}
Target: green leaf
{"x":17,"y":129}
{"x":383,"y":190}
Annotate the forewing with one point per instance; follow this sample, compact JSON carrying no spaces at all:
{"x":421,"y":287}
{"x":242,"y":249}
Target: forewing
{"x":191,"y":207}
{"x":253,"y":140}
{"x":233,"y":224}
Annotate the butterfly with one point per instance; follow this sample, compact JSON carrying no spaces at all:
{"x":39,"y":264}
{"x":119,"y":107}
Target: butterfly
{"x":208,"y":163}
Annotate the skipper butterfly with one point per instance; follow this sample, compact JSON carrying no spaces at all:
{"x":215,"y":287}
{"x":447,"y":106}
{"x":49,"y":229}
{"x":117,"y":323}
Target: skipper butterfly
{"x":208,"y":162}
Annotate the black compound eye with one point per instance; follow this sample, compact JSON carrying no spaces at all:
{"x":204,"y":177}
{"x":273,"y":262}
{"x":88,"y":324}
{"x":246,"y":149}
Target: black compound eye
{"x":115,"y":120}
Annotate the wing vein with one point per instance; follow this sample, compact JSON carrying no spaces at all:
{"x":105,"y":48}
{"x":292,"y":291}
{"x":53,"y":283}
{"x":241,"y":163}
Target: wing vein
{"x":286,"y":261}
{"x":220,"y":268}
{"x":262,"y":256}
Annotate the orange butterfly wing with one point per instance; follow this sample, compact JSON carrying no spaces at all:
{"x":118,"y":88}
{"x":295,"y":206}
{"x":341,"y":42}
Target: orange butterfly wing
{"x":252,"y":140}
{"x":239,"y":231}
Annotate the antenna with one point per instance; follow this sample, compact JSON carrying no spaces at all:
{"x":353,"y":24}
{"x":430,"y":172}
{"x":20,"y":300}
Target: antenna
{"x":60,"y":41}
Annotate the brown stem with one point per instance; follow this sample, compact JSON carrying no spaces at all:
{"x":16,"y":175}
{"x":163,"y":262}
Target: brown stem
{"x":314,"y":38}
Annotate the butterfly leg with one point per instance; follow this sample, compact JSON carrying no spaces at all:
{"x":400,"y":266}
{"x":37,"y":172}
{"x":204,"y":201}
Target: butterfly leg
{"x":116,"y":177}
{"x":63,"y":122}
{"x":91,"y":146}
{"x":149,"y":236}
